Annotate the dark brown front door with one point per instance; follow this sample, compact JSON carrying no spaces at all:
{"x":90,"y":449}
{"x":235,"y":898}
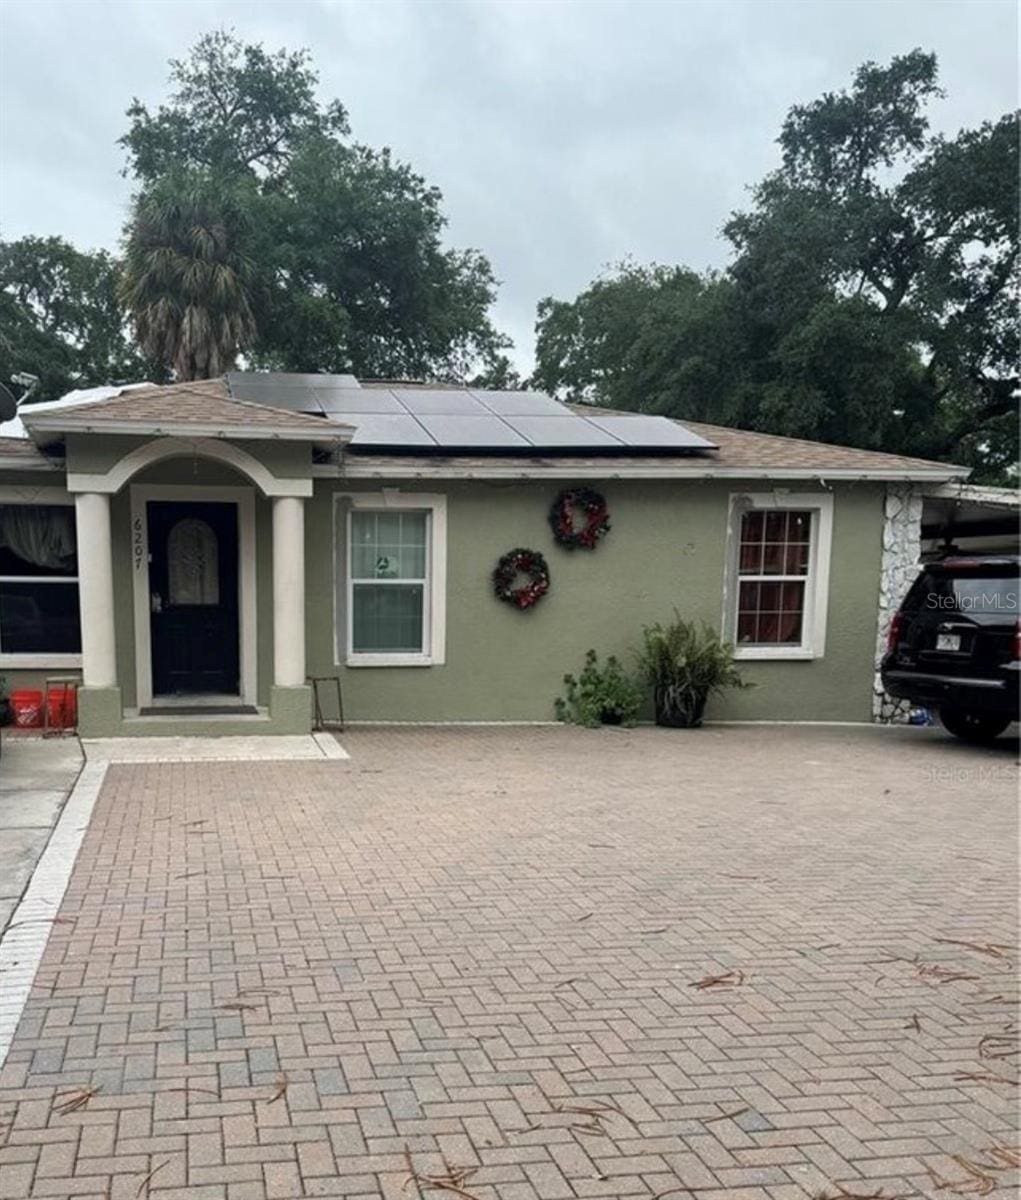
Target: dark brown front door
{"x":193,"y":597}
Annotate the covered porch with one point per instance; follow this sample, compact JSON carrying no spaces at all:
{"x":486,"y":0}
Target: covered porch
{"x":190,"y":526}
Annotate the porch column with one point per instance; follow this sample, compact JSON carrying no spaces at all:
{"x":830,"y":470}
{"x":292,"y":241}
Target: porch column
{"x":288,"y":591}
{"x":95,"y":589}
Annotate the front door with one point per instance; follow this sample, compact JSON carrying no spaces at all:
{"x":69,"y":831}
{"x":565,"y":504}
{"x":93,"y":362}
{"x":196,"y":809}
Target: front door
{"x":193,"y":597}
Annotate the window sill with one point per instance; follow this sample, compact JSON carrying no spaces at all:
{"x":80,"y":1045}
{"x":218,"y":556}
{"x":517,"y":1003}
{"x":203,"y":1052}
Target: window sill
{"x":40,"y":662}
{"x":390,"y":660}
{"x":774,"y":654}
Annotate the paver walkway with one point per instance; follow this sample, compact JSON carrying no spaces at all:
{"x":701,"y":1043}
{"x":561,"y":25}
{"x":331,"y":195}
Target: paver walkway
{"x":282,"y":978}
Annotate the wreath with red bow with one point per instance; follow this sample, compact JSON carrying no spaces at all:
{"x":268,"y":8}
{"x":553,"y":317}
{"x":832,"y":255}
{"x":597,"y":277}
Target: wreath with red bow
{"x":579,"y":518}
{"x":507,"y":578}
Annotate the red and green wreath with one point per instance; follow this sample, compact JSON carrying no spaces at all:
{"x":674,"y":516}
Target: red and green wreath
{"x":579,"y":518}
{"x":521,"y":578}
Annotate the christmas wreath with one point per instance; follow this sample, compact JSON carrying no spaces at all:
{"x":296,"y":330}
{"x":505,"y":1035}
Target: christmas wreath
{"x":509,"y":571}
{"x":579,"y":518}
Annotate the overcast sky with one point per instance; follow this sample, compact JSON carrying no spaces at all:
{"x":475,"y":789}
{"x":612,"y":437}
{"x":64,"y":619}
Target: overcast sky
{"x":564,"y":136}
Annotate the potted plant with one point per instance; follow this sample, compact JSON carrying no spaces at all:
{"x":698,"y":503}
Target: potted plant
{"x":685,"y":663}
{"x":5,"y":702}
{"x":599,"y":696}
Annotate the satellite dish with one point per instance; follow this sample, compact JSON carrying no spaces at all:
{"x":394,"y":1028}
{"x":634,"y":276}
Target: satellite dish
{"x":8,"y":403}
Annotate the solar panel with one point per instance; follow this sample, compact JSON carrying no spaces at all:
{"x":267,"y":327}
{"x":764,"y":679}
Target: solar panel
{"x":291,"y":379}
{"x":449,"y":402}
{"x":486,"y":432}
{"x":357,"y":400}
{"x":295,"y":399}
{"x":651,"y":433}
{"x":568,"y":433}
{"x":522,"y":404}
{"x":388,"y":429}
{"x":451,"y":419}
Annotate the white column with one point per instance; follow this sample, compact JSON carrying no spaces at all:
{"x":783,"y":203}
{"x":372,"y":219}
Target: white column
{"x":95,"y":589}
{"x":288,"y":591}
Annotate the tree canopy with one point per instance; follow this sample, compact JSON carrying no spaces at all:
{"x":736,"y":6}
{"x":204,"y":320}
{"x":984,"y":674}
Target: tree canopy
{"x":348,"y":267}
{"x":870,"y":300}
{"x":60,"y":318}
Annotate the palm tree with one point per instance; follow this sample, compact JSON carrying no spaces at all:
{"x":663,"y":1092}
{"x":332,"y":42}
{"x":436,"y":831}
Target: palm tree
{"x":186,"y":282}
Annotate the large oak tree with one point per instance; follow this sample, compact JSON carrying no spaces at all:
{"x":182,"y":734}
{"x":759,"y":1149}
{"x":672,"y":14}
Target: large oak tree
{"x":871,"y":299}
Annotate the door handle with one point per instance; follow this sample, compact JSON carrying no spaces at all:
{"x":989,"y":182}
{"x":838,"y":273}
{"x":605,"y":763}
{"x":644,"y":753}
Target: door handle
{"x":155,"y":602}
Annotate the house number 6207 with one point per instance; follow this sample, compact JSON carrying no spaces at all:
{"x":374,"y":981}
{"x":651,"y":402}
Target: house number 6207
{"x":137,"y":543}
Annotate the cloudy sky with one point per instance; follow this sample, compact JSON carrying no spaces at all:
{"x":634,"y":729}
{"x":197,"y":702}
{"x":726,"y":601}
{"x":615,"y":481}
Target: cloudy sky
{"x":564,"y":135}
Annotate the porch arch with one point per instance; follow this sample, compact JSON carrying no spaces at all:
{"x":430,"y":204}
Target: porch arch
{"x":162,"y":448}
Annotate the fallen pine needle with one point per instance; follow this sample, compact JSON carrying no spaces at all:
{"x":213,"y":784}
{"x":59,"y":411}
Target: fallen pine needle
{"x":281,"y":1089}
{"x":844,"y":1194}
{"x":738,"y":1112}
{"x":728,"y":979}
{"x":73,"y":1101}
{"x":144,"y":1185}
{"x":879,"y":1194}
{"x":649,"y":932}
{"x":915,"y":1023}
{"x":993,"y":949}
{"x":239,"y":1006}
{"x":999,"y":1045}
{"x":453,"y":1181}
{"x":584,"y":916}
{"x":984,"y":1077}
{"x":671,"y":1191}
{"x":944,"y":974}
{"x":42,"y":920}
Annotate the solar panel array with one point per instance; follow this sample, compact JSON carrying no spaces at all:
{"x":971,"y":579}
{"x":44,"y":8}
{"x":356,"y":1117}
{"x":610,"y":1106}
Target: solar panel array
{"x":455,"y":420}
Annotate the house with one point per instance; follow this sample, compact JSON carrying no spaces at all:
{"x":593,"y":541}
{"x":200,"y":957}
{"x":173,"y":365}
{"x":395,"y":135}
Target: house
{"x":198,"y":551}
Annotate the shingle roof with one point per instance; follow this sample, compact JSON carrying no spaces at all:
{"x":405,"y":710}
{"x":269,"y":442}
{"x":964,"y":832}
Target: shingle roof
{"x":207,"y":404}
{"x":200,"y":403}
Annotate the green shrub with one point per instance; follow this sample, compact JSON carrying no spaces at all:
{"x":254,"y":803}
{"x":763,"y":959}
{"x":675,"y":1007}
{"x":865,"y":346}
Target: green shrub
{"x":599,"y":696}
{"x":685,"y":663}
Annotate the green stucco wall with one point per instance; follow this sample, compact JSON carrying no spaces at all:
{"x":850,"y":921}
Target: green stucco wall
{"x":665,"y":551}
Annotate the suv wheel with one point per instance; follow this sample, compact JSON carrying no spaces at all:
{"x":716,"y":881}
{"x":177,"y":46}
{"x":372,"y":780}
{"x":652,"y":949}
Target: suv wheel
{"x":979,"y":728}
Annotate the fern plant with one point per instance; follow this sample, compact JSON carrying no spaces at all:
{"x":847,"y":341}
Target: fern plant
{"x":685,"y":663}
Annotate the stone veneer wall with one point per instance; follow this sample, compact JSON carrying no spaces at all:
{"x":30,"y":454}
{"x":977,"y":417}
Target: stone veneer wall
{"x":902,"y":542}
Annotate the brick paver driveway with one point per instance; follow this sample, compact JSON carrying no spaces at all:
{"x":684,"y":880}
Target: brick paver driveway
{"x":284,"y":978}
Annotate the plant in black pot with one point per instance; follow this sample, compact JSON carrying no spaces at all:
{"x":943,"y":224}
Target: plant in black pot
{"x":599,"y":696}
{"x":685,"y":663}
{"x":5,"y":703}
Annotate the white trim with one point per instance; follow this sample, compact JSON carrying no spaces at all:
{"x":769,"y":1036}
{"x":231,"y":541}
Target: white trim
{"x":435,"y":615}
{"x":244,"y":499}
{"x":351,"y":468}
{"x":332,"y":431}
{"x":162,"y":448}
{"x":15,"y":493}
{"x":39,"y":661}
{"x":21,"y":949}
{"x":18,"y":462}
{"x":817,"y":581}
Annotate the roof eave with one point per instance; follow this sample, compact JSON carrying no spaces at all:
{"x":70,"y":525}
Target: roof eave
{"x":332,"y":435}
{"x":353,"y":468}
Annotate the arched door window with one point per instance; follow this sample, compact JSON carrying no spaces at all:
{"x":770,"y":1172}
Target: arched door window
{"x":193,"y":563}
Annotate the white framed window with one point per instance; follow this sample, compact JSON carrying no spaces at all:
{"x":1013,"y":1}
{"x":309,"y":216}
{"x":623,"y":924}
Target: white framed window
{"x":778,"y":567}
{"x":40,"y":624}
{"x":392,"y":555}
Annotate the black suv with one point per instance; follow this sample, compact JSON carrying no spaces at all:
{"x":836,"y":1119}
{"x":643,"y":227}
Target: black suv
{"x":955,"y":645}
